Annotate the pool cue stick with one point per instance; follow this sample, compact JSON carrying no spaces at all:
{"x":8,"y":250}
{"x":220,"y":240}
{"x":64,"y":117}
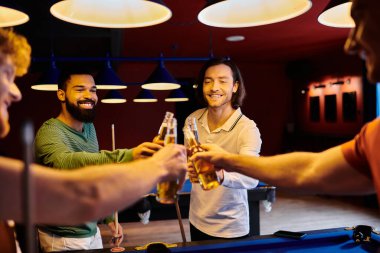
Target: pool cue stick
{"x":116,"y":215}
{"x":180,"y":220}
{"x":27,"y":136}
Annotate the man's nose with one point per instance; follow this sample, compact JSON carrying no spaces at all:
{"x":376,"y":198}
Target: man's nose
{"x":215,"y":85}
{"x":15,"y":93}
{"x":89,"y":94}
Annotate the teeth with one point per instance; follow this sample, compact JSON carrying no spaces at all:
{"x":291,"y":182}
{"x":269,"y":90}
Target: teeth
{"x":86,"y":105}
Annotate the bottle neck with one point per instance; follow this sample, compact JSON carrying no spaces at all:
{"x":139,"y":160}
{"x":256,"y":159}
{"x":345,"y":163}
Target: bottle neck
{"x":162,"y":131}
{"x":171,"y":132}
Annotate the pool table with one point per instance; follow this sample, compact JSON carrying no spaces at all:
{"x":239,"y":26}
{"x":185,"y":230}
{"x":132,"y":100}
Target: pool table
{"x":262,"y":192}
{"x":327,"y":240}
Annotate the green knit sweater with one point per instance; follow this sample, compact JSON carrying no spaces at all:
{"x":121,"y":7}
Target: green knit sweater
{"x":62,"y":147}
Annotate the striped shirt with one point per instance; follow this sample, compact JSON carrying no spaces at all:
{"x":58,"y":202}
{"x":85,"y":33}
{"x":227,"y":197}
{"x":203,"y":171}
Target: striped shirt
{"x":62,"y":147}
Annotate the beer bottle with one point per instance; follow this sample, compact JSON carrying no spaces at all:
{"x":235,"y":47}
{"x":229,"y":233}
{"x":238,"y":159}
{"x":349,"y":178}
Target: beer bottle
{"x":167,"y":191}
{"x":191,"y":123}
{"x":160,"y":138}
{"x":207,"y":176}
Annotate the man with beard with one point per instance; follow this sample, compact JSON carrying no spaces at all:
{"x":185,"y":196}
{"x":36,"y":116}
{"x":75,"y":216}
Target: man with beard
{"x":73,"y":196}
{"x":351,"y":168}
{"x":69,"y":142}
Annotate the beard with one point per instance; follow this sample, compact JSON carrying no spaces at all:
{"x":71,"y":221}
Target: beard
{"x":83,"y":115}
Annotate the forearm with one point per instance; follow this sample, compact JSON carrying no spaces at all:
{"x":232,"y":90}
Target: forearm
{"x":324,"y":172}
{"x":94,"y":192}
{"x":10,"y":188}
{"x":248,"y":143}
{"x":281,"y":170}
{"x":73,"y":160}
{"x":53,"y":150}
{"x":72,"y":197}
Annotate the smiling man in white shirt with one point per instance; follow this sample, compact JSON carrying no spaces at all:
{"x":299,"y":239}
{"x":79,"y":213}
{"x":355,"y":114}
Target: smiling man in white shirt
{"x":223,"y":212}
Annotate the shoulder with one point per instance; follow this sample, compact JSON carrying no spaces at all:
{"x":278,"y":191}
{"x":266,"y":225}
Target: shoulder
{"x":198,"y":113}
{"x":246,"y":122}
{"x":373,"y":126}
{"x":369,"y":131}
{"x":51,"y":122}
{"x":366,"y":140}
{"x":49,"y":125}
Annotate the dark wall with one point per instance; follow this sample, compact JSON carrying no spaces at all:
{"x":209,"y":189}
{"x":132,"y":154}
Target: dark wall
{"x":271,"y":102}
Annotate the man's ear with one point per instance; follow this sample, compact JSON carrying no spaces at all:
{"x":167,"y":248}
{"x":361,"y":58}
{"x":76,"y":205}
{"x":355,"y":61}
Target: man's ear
{"x":236,"y":86}
{"x":61,"y":95}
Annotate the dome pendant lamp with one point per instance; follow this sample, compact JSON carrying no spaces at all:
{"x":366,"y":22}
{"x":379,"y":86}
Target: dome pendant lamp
{"x":161,"y":79}
{"x":49,"y":80}
{"x":337,"y":14}
{"x":11,"y":14}
{"x":177,"y":95}
{"x":145,"y":96}
{"x":107,"y":79}
{"x":247,"y":13}
{"x":114,"y":97}
{"x":112,"y":13}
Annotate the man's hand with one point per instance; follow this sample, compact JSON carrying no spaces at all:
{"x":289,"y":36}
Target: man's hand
{"x":172,"y":158}
{"x":145,"y":149}
{"x":118,"y":237}
{"x":213,"y":148}
{"x":157,"y":140}
{"x":215,"y":155}
{"x":193,"y":175}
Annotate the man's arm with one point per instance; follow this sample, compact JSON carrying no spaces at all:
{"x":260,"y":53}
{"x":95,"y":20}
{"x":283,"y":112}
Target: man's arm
{"x":249,"y":143}
{"x":53,"y":149}
{"x":73,"y":197}
{"x":324,"y":172}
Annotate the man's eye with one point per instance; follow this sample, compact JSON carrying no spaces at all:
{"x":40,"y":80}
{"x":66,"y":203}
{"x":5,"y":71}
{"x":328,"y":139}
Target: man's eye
{"x":10,"y":75}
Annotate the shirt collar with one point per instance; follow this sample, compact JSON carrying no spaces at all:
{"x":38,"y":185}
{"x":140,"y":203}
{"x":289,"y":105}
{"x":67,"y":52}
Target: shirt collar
{"x":227,"y":126}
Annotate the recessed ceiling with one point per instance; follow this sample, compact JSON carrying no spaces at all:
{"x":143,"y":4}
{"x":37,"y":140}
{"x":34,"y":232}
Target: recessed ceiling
{"x":182,"y":36}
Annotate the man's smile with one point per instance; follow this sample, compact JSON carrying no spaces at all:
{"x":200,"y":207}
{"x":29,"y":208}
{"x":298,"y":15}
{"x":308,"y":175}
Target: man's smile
{"x":87,"y":104}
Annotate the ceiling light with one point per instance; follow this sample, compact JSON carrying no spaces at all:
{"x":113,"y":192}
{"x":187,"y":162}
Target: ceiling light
{"x":107,"y":79}
{"x":145,"y":96}
{"x":337,"y":14}
{"x":177,"y":96}
{"x":235,"y":38}
{"x":49,"y":80}
{"x":113,"y":97}
{"x":243,"y":13}
{"x":160,"y":79}
{"x":11,"y":15}
{"x":112,"y":13}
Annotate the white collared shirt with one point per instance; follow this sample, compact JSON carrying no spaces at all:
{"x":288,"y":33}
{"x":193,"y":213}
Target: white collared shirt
{"x":223,"y":212}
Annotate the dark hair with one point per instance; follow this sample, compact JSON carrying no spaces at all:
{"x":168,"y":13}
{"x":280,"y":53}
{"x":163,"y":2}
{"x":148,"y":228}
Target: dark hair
{"x":238,"y":96}
{"x":65,"y":75}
